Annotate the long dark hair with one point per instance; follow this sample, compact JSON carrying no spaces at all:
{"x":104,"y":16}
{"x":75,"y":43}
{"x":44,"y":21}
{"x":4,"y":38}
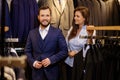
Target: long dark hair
{"x":85,"y":13}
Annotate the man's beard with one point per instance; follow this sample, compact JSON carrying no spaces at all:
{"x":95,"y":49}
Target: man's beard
{"x":44,"y":25}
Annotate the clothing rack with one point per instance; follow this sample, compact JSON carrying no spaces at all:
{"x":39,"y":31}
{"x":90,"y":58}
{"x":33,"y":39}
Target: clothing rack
{"x":110,"y":28}
{"x":101,"y":37}
{"x":103,"y":28}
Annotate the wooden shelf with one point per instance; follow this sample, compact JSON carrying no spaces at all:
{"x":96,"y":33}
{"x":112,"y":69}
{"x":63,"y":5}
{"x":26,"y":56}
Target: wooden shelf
{"x":103,"y":28}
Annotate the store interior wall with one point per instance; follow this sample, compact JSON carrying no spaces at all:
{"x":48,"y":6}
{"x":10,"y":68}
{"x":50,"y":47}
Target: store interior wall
{"x":103,"y":13}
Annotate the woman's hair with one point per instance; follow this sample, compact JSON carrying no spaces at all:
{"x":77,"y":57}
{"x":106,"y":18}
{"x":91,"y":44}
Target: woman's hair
{"x":85,"y":13}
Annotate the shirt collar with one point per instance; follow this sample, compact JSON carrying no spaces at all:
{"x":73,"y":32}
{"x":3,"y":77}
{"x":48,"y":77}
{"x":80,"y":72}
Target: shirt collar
{"x":84,"y":27}
{"x":46,"y":29}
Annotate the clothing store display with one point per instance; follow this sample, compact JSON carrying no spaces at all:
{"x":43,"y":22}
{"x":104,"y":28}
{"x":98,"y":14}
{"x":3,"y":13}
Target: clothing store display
{"x":7,"y":20}
{"x":23,"y":18}
{"x":99,"y":61}
{"x":103,"y":13}
{"x":61,"y":18}
{"x":41,"y":3}
{"x":0,"y":12}
{"x":9,"y":73}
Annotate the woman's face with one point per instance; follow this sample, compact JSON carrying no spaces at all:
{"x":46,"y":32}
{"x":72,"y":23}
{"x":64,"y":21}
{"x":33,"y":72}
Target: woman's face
{"x":79,"y":19}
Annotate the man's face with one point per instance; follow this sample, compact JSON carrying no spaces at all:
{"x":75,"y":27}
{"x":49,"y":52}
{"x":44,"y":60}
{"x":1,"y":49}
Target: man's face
{"x":44,"y":17}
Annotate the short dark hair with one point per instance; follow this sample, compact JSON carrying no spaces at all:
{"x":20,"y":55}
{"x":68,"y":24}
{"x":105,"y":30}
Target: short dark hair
{"x":43,"y":8}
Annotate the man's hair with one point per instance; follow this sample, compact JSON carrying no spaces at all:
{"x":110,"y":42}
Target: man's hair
{"x":43,"y":8}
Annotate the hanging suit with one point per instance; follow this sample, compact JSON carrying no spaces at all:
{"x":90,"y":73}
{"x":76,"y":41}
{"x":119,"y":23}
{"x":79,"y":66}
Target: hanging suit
{"x":89,"y":67}
{"x":75,"y":3}
{"x":90,"y":5}
{"x":42,"y":2}
{"x":23,"y":17}
{"x":116,"y":13}
{"x":0,"y":11}
{"x":112,"y":16}
{"x":62,"y":18}
{"x":103,"y":12}
{"x":109,"y":10}
{"x":7,"y":20}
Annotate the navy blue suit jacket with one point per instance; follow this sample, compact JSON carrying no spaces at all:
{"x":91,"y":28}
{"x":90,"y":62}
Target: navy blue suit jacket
{"x":53,"y":47}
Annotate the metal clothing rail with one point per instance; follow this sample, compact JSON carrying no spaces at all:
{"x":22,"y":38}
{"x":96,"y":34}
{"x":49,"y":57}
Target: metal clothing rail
{"x":91,"y":27}
{"x":103,"y":28}
{"x":101,"y":37}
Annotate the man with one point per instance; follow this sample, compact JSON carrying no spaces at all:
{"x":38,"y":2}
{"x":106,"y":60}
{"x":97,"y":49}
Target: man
{"x":45,"y":47}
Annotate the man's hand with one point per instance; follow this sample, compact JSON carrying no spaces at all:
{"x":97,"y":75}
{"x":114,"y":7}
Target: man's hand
{"x":46,"y":62}
{"x":37,"y":64}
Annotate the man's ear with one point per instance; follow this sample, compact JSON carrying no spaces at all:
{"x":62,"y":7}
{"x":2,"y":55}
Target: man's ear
{"x":38,"y":17}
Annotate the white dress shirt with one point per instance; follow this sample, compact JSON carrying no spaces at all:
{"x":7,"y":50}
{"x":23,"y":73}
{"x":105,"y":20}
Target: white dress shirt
{"x":44,"y":32}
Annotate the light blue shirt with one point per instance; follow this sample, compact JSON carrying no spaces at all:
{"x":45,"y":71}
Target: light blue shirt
{"x":76,"y":44}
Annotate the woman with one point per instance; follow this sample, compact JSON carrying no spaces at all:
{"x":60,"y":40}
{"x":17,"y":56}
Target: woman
{"x":75,"y":43}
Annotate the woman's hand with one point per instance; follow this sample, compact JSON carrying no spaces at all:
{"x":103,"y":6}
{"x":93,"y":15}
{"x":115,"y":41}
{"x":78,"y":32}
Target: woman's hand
{"x":72,"y":53}
{"x":90,"y":30}
{"x":90,"y":33}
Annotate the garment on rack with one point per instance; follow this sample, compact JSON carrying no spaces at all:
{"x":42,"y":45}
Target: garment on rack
{"x":19,"y":72}
{"x":0,"y":12}
{"x":101,"y":63}
{"x":9,"y":73}
{"x":23,"y":18}
{"x":61,"y":19}
{"x":103,"y":13}
{"x":7,"y":19}
{"x":42,"y":2}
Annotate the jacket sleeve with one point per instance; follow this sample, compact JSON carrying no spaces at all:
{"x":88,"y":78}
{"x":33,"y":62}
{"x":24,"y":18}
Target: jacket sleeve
{"x":62,"y":47}
{"x":28,"y":51}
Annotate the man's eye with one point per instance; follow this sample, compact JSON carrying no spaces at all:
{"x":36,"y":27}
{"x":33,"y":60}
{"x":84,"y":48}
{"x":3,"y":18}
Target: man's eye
{"x":42,"y":15}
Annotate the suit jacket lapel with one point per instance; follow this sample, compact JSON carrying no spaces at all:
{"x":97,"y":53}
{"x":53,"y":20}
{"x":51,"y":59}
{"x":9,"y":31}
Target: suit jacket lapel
{"x":64,"y":4}
{"x":55,"y":2}
{"x":39,"y":39}
{"x":47,"y":38}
